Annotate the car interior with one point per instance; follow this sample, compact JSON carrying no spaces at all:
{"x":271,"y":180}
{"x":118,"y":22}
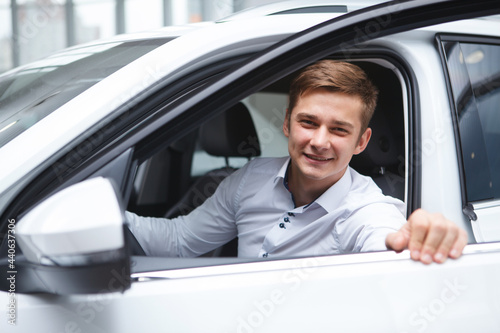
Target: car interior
{"x":180,"y":176}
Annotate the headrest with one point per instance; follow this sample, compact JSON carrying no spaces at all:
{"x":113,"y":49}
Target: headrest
{"x":382,"y":150}
{"x":231,"y":134}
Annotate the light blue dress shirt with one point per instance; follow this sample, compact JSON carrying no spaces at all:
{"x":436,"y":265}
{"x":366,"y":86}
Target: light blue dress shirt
{"x":254,"y":204}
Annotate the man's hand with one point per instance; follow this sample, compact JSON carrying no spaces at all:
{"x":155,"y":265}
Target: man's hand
{"x":429,"y":237}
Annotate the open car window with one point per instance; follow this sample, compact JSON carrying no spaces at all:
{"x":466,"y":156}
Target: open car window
{"x":183,"y":172}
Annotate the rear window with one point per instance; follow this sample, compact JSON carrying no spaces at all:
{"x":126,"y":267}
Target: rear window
{"x":32,"y":92}
{"x":474,"y":76}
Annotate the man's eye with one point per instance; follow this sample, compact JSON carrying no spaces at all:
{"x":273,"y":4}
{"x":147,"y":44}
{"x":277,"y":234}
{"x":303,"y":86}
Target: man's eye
{"x":340,"y":129}
{"x":307,"y":122}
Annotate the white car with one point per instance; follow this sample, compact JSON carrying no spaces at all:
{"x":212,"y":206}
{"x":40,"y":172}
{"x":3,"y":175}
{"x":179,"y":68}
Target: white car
{"x":150,"y":123}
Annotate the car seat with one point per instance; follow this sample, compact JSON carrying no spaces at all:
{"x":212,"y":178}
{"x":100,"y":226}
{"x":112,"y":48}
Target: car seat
{"x":229,"y":134}
{"x":382,"y":159}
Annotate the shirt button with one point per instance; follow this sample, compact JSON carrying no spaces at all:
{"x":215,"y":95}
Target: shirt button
{"x":291,"y":214}
{"x":282,"y":225}
{"x":265,"y":255}
{"x":286,"y":219}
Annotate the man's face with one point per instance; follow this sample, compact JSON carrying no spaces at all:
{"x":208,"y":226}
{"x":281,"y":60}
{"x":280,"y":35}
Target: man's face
{"x":323,"y":133}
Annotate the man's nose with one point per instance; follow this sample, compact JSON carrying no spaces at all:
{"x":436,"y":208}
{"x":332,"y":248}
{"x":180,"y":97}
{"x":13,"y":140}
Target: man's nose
{"x":321,"y":139}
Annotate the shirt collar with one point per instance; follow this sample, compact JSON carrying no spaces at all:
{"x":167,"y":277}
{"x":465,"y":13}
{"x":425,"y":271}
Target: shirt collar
{"x":282,"y":172}
{"x":332,"y":197}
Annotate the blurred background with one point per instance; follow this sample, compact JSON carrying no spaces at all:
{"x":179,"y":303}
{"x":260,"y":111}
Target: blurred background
{"x":32,"y":29}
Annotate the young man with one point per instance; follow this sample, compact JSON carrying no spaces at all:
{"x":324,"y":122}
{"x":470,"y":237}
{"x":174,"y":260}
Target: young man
{"x":312,"y":202}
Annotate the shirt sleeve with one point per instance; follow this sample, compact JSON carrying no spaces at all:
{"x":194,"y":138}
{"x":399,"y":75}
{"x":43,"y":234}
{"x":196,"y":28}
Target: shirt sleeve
{"x":209,"y":226}
{"x":372,"y":237}
{"x":366,"y":229}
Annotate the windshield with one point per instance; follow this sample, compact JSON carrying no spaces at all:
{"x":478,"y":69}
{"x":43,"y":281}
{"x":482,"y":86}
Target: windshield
{"x":32,"y":92}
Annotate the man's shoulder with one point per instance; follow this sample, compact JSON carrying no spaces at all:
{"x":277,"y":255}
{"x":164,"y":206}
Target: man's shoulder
{"x":363,"y":185}
{"x":257,"y":170}
{"x":365,"y":193}
{"x":266,"y":165}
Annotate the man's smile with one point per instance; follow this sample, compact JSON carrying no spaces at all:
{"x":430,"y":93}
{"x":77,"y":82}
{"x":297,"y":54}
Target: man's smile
{"x":318,"y":158}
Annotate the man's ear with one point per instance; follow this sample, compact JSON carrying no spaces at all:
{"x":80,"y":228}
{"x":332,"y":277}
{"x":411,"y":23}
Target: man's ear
{"x":286,"y":124}
{"x":363,"y":141}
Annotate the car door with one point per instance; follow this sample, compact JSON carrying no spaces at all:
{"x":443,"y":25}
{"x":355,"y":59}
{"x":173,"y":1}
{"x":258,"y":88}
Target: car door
{"x":359,"y":292}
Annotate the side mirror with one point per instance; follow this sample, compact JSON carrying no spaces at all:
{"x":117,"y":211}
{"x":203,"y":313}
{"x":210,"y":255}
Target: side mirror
{"x":74,"y":241}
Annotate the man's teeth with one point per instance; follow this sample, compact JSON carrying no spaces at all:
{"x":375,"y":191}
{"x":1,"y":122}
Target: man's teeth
{"x":318,"y":158}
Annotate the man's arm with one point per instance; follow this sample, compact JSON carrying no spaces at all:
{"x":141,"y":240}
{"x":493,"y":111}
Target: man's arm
{"x":209,"y":226}
{"x":429,"y":237}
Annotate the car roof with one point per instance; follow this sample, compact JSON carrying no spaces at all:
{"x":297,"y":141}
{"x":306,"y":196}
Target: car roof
{"x":301,"y":7}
